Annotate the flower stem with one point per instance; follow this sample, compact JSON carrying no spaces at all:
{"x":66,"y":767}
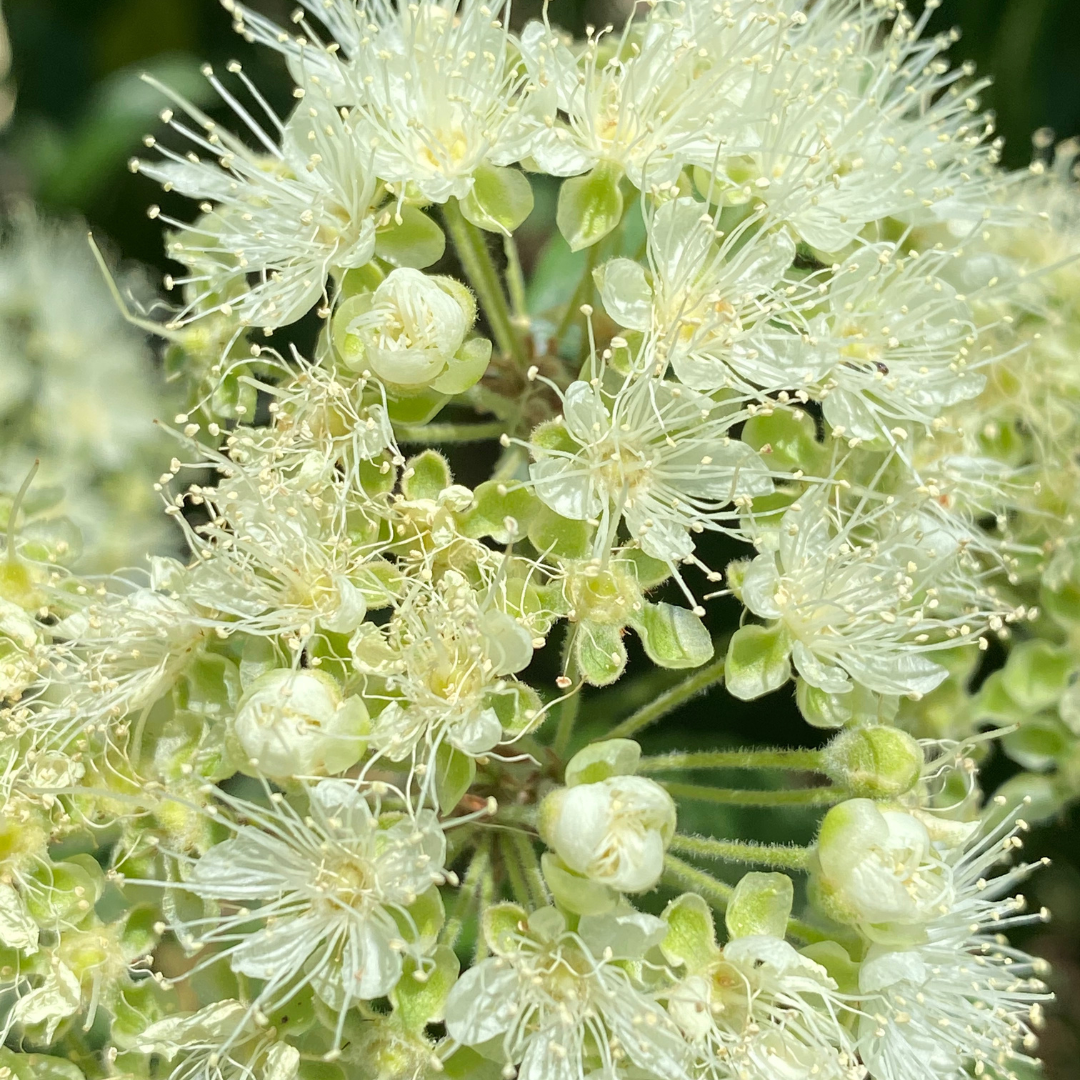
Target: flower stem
{"x":667,"y":702}
{"x":535,"y":888}
{"x":681,"y":875}
{"x":571,"y":706}
{"x":515,"y":872}
{"x":780,"y":856}
{"x":515,"y":282}
{"x":479,"y":869}
{"x":450,"y":433}
{"x":796,"y":760}
{"x":812,"y":796}
{"x":472,"y":250}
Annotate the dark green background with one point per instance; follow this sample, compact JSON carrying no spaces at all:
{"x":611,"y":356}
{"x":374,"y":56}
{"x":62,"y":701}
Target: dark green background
{"x":82,"y":112}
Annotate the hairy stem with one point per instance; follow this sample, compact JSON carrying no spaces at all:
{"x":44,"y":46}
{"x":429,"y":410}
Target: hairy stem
{"x":667,"y":702}
{"x":778,"y":856}
{"x":681,"y":875}
{"x":814,"y":796}
{"x":472,"y":249}
{"x":479,"y":869}
{"x":796,"y":760}
{"x":536,"y":887}
{"x":450,"y":433}
{"x":571,"y":706}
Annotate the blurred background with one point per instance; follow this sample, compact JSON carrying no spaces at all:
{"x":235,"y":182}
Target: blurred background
{"x":76,"y":111}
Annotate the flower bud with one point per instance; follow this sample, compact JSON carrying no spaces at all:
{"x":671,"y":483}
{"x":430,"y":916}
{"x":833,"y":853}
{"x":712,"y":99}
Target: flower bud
{"x":295,"y":723}
{"x":590,"y":206}
{"x":879,"y":870}
{"x":874,"y":762}
{"x":613,"y":832}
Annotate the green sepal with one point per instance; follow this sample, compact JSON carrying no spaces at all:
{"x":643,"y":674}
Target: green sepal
{"x":590,"y":206}
{"x":38,"y":1066}
{"x":1040,"y":743}
{"x":600,"y":652}
{"x":760,"y":905}
{"x":573,"y":892}
{"x":757,"y":661}
{"x":426,"y":917}
{"x":601,"y":760}
{"x":495,"y":502}
{"x":466,"y":369}
{"x":500,"y":200}
{"x":211,"y":686}
{"x":426,"y":476}
{"x":420,"y":996}
{"x":787,"y":437}
{"x":517,"y":706}
{"x":834,"y":958}
{"x":691,"y":936}
{"x":361,"y":279}
{"x":673,"y":637}
{"x":1037,"y":674}
{"x":415,"y":242}
{"x":649,"y":572}
{"x":414,"y":409}
{"x":65,"y":891}
{"x":502,"y":925}
{"x":454,"y":774}
{"x":561,"y":537}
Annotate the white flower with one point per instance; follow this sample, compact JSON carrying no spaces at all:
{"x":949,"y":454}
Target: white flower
{"x":762,"y":1011}
{"x":222,"y":1041}
{"x":866,"y":596}
{"x":652,"y":454}
{"x":437,"y":84}
{"x":710,"y":302}
{"x":287,"y":217}
{"x":562,"y":1005}
{"x":879,"y":869}
{"x":442,"y":667}
{"x":962,"y":997}
{"x":897,"y":343}
{"x":614,"y":832}
{"x":295,"y":723}
{"x":21,"y":650}
{"x":409,"y":333}
{"x":334,"y":889}
{"x":635,"y":104}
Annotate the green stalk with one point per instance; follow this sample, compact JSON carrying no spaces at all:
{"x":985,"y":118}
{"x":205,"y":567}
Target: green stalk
{"x":519,"y":887}
{"x":670,"y":700}
{"x":450,"y":433}
{"x":778,"y":856}
{"x":479,"y":869}
{"x":568,"y":709}
{"x":485,"y":898}
{"x":809,"y":797}
{"x":536,"y":887}
{"x":472,"y":249}
{"x":796,"y":760}
{"x":681,"y":875}
{"x":515,"y":281}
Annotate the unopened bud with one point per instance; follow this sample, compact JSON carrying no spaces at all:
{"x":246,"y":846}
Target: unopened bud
{"x":874,"y":762}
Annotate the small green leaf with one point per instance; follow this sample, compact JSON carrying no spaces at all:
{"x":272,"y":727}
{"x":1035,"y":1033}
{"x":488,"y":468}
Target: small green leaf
{"x":757,"y":661}
{"x":416,"y":241}
{"x":454,"y":774}
{"x":590,"y":206}
{"x":674,"y":637}
{"x":500,"y":200}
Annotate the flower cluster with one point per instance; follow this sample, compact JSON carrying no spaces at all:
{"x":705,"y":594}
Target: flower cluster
{"x":319,"y":800}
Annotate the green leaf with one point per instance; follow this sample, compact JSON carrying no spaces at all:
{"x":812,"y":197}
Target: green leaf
{"x":757,"y":661}
{"x":454,"y":774}
{"x":416,"y":241}
{"x":500,"y":200}
{"x":601,"y":654}
{"x":590,"y":206}
{"x":1039,"y":743}
{"x":674,"y":637}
